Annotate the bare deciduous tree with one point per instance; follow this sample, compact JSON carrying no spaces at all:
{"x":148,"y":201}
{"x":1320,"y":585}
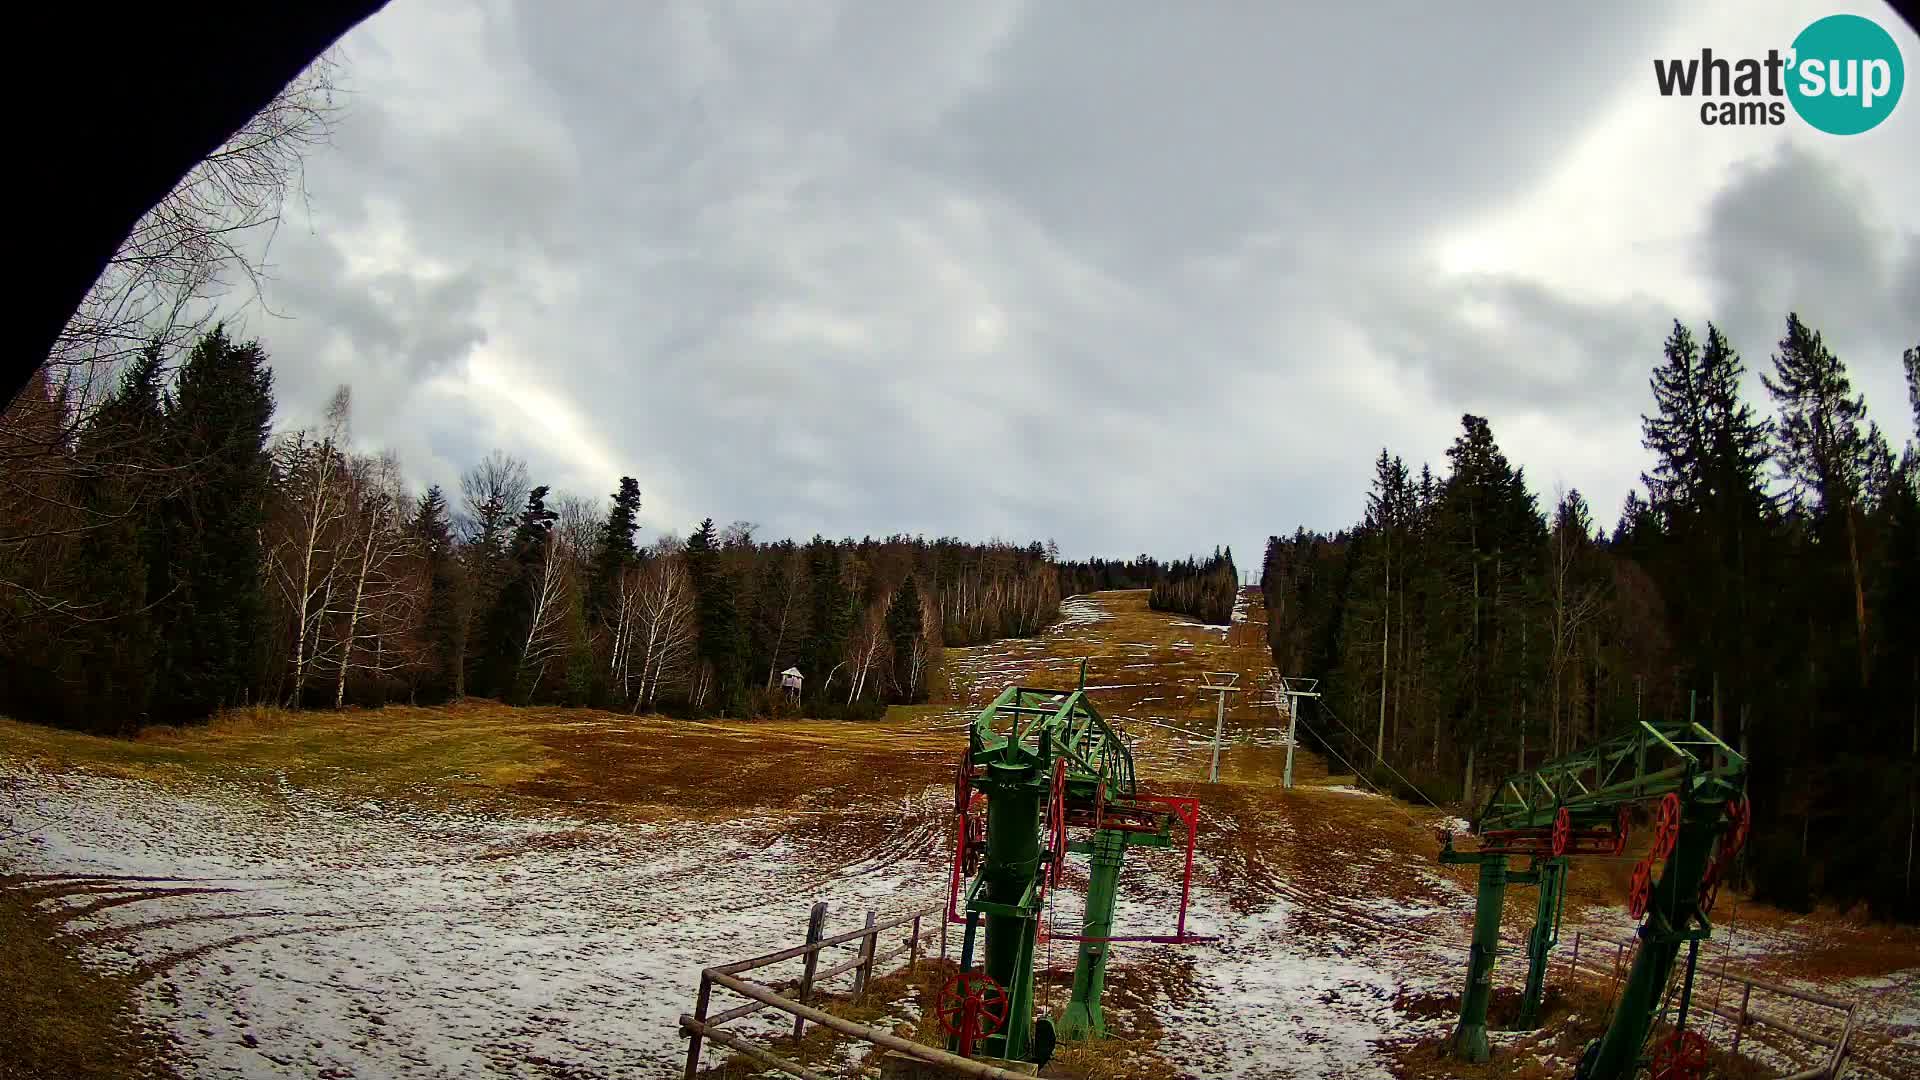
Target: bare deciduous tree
{"x":666,"y":629}
{"x":313,"y":472}
{"x":211,"y":232}
{"x":383,"y":599}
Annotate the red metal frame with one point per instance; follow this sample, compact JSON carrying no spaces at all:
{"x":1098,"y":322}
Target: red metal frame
{"x":1186,"y":810}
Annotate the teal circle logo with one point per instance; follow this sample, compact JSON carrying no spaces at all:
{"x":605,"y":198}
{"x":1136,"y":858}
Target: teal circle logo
{"x":1846,"y":74}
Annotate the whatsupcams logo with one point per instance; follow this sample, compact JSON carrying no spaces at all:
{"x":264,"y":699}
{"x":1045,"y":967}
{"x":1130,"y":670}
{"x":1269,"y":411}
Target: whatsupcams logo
{"x":1843,"y":76}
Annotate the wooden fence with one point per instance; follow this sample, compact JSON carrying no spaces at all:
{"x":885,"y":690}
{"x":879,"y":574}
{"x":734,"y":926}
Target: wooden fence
{"x":1819,"y":1055}
{"x":702,"y":1026}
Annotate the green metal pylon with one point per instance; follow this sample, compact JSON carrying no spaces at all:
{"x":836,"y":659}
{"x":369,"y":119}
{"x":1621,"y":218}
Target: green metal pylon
{"x":1551,"y":876}
{"x":1084,"y":1018}
{"x":1672,"y":908}
{"x":1470,"y":1037}
{"x":1010,"y":869}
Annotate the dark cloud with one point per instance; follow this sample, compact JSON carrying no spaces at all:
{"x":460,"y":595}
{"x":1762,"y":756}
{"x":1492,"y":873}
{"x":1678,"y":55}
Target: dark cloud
{"x":1799,"y":232}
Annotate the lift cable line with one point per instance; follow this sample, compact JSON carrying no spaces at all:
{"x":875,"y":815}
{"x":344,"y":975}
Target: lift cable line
{"x":1362,"y":743}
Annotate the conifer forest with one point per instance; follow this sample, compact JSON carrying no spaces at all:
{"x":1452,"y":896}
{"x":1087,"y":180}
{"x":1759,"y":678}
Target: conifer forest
{"x":169,"y":554}
{"x":1766,"y":581}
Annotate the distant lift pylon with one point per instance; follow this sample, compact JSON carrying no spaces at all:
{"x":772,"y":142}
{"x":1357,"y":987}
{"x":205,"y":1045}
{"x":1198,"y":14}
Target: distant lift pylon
{"x":1038,"y":763}
{"x":1582,"y":804}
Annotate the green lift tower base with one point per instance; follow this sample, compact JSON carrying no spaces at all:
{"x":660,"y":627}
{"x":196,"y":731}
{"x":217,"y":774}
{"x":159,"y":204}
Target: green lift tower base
{"x":1582,"y":804}
{"x":1041,"y":761}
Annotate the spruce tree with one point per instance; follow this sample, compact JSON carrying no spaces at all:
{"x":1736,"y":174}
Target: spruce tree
{"x":614,"y":552}
{"x":1824,"y":453}
{"x":829,"y":614}
{"x":213,"y":617}
{"x":107,"y":667}
{"x":720,"y":632}
{"x":512,"y":617}
{"x":444,"y":623}
{"x":904,"y":632}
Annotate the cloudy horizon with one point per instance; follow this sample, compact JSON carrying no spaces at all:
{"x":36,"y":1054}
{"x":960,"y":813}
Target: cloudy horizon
{"x":1146,"y":281}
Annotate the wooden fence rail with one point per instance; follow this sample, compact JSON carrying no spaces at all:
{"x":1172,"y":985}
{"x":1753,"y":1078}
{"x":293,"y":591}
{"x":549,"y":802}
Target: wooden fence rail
{"x":700,"y":1026}
{"x":1837,"y":1046}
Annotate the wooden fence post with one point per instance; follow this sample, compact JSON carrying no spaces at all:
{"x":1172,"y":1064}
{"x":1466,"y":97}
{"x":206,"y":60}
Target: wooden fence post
{"x":913,"y":947}
{"x":1840,"y":1047}
{"x":1573,"y":965}
{"x":816,"y":929}
{"x":864,"y":973}
{"x":699,"y":1014}
{"x":1740,"y":1024}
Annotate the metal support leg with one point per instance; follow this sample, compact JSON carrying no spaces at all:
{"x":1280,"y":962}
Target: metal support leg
{"x":1541,"y":939}
{"x":1618,"y":1054}
{"x":1470,"y":1038}
{"x":1083,"y":1018}
{"x":1293,"y":719}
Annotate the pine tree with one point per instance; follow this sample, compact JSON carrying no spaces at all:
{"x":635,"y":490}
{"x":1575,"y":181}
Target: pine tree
{"x":213,"y":618}
{"x":107,"y":667}
{"x":615,"y":550}
{"x":830,"y":616}
{"x":904,"y":630}
{"x":1824,"y":451}
{"x":720,"y":632}
{"x":444,"y":624}
{"x":1708,"y":491}
{"x":512,"y":618}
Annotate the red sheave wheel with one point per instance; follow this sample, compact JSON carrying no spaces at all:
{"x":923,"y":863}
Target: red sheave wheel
{"x":969,"y":1006}
{"x":1640,"y":892}
{"x":1562,"y":831}
{"x":1709,"y":887}
{"x":1680,"y":1056}
{"x":962,"y":786}
{"x":1666,"y":826}
{"x":1740,"y":820}
{"x":1622,"y":827}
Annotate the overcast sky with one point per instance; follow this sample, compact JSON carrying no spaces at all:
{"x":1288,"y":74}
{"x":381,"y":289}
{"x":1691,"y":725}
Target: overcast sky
{"x":1134,"y":276}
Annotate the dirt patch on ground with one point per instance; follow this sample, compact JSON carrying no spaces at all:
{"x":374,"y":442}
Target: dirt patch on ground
{"x":65,"y":1019}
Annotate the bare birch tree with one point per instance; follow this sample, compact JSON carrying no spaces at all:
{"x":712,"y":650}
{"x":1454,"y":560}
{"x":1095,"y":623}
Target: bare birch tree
{"x":382,"y":599}
{"x":314,"y":480}
{"x":666,"y":629}
{"x":211,"y":232}
{"x":867,"y":650}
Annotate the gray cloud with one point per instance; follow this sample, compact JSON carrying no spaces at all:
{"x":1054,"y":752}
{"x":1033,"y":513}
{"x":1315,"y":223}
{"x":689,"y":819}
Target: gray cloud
{"x":1131,"y":276}
{"x":1797,"y":232}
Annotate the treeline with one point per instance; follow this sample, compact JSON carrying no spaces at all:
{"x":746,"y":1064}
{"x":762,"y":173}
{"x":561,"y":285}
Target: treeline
{"x":165,"y":555}
{"x":1202,"y":590}
{"x":1767,"y":582}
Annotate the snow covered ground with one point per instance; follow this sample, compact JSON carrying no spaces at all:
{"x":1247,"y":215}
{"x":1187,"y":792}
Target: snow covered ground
{"x":303,"y":937}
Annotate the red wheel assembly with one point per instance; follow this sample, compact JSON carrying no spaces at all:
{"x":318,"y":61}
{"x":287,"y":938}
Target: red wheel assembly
{"x":1666,"y":826}
{"x":1562,"y":831}
{"x":1680,"y":1056}
{"x":1640,"y":893}
{"x":1622,"y":828}
{"x":1709,"y":888}
{"x":1740,"y":820}
{"x":969,"y":1006}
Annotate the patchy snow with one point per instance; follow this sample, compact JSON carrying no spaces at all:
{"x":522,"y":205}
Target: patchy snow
{"x":314,"y":937}
{"x":1346,"y":789}
{"x":1203,"y":626}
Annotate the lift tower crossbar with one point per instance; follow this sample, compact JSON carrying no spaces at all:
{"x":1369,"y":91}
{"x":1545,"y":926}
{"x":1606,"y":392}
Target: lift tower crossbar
{"x":1582,"y":804}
